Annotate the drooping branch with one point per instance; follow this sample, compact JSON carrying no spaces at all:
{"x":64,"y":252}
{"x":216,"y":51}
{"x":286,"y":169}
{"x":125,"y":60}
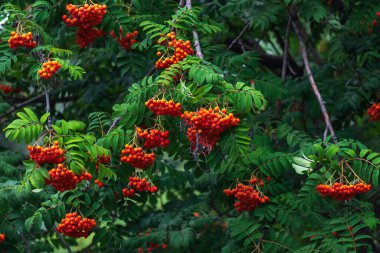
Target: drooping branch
{"x":296,"y":27}
{"x":197,"y":45}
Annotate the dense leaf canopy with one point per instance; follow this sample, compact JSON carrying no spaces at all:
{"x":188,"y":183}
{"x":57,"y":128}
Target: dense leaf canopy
{"x":267,"y":96}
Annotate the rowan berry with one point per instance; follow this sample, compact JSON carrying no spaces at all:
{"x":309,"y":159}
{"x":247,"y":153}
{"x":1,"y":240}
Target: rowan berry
{"x":86,"y":37}
{"x":126,"y":41}
{"x":49,"y":69}
{"x":177,"y":51}
{"x":374,"y":112}
{"x":164,"y":107}
{"x":6,"y":89}
{"x":248,"y":197}
{"x":52,"y":154}
{"x":137,"y":157}
{"x":21,"y":40}
{"x":206,"y":125}
{"x":75,"y":226}
{"x":103,"y":159}
{"x":86,"y":16}
{"x":340,"y":191}
{"x":63,"y":179}
{"x":153,"y":137}
{"x":99,"y":183}
{"x":2,"y":238}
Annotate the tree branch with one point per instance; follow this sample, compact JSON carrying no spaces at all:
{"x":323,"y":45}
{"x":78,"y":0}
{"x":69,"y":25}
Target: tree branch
{"x":47,"y":100}
{"x":240,"y":34}
{"x":284,"y":62}
{"x":296,"y":27}
{"x":67,"y":246}
{"x":114,"y":124}
{"x":197,"y":45}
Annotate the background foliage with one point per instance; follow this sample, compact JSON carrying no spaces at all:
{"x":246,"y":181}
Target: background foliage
{"x":280,"y":135}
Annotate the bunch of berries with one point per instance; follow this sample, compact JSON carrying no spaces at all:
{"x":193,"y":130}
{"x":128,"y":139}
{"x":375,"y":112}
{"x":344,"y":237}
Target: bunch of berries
{"x":48,"y":69}
{"x":180,"y":49}
{"x":5,"y":88}
{"x":126,"y":41}
{"x":75,"y":226}
{"x":136,"y":157}
{"x":86,"y":37}
{"x":86,"y":16}
{"x":21,"y":40}
{"x":248,"y":198}
{"x":99,"y":183}
{"x":2,"y":238}
{"x":154,"y":138}
{"x":137,"y":184}
{"x":374,"y":112}
{"x":63,"y":179}
{"x":53,"y":154}
{"x":152,"y":247}
{"x":164,"y":107}
{"x":206,"y":125}
{"x":103,"y":159}
{"x":341,"y":191}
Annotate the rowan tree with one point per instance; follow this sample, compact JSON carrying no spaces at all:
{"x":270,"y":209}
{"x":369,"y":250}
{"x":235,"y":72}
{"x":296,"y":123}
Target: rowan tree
{"x":189,"y":126}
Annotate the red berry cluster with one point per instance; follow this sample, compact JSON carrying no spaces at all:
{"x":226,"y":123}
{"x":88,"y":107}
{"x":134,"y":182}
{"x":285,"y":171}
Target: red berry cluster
{"x":2,"y":238}
{"x":180,"y":49}
{"x":48,"y":69}
{"x":206,"y":125}
{"x":248,"y":198}
{"x":164,"y":107}
{"x":21,"y":40}
{"x":53,"y":154}
{"x":86,"y":37}
{"x":9,"y":89}
{"x":137,"y":157}
{"x":154,"y":138}
{"x":99,"y":183}
{"x":374,"y":112}
{"x":152,"y":247}
{"x":76,"y":226}
{"x":341,"y":191}
{"x":137,"y":184}
{"x":103,"y":159}
{"x":85,"y":17}
{"x":63,"y":179}
{"x":126,"y":41}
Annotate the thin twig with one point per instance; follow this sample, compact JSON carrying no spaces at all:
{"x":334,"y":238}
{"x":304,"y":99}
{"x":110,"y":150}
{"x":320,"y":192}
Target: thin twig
{"x":47,"y":100}
{"x":26,"y":242}
{"x":296,"y":25}
{"x":284,"y":62}
{"x":197,"y":45}
{"x":114,"y":124}
{"x":25,"y":103}
{"x":67,"y":246}
{"x":240,"y":34}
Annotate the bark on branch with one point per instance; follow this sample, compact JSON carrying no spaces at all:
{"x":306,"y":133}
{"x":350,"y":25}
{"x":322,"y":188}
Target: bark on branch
{"x":197,"y":45}
{"x":296,"y":26}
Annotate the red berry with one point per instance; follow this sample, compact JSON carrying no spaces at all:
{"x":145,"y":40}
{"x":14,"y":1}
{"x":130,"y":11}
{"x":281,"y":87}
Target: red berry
{"x":75,"y":226}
